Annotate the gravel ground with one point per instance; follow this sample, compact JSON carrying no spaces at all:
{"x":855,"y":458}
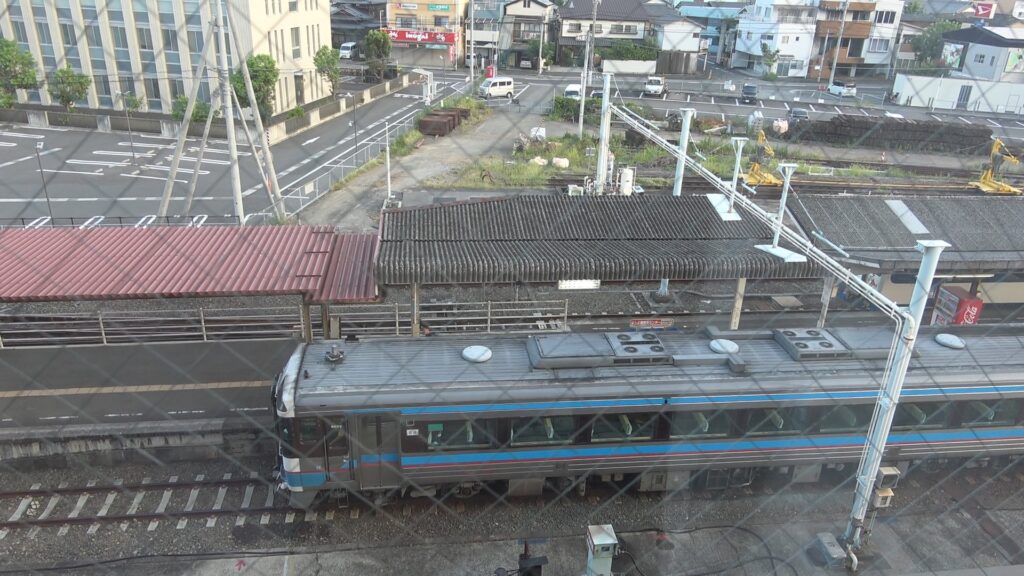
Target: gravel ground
{"x":932,"y":534}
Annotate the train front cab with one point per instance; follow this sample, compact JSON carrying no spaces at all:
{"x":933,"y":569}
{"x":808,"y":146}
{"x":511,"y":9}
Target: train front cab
{"x":320,"y":456}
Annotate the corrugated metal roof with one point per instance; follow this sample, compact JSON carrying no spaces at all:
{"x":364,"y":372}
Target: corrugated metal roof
{"x":549,"y":238}
{"x":119,"y":263}
{"x":615,"y":10}
{"x":986,"y":233}
{"x":349,"y":276}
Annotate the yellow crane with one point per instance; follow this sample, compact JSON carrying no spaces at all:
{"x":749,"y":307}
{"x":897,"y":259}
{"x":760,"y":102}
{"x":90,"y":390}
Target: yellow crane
{"x":988,"y":183}
{"x":757,"y":176}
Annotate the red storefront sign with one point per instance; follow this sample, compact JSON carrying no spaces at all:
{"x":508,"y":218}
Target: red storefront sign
{"x":651,"y":323}
{"x":954,"y":305}
{"x":421,"y":36}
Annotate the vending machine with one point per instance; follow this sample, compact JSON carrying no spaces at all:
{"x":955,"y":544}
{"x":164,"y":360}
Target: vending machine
{"x":954,"y":305}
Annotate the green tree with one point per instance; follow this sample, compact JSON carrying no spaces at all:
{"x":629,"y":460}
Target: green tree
{"x":378,"y":50}
{"x":17,"y":70}
{"x":928,"y":46}
{"x":913,"y":7}
{"x":549,"y":50}
{"x":328,"y":64}
{"x":769,"y":58}
{"x":67,"y":86}
{"x":629,"y":50}
{"x":264,"y":75}
{"x":132,"y":103}
{"x":199,"y":112}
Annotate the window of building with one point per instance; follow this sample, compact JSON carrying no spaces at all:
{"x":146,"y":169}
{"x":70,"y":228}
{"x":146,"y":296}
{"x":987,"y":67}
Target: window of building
{"x":574,"y":28}
{"x":696,"y":35}
{"x":300,"y":90}
{"x":152,"y":86}
{"x":441,"y":21}
{"x":67,"y":34}
{"x":885,"y":17}
{"x":979,"y":58}
{"x":293,"y":5}
{"x":748,"y":35}
{"x":785,"y":39}
{"x":170,"y":40}
{"x":145,"y":38}
{"x":296,"y":43}
{"x":598,"y":28}
{"x":406,"y":22}
{"x":93,"y":36}
{"x":120,"y":36}
{"x":878,"y":45}
{"x":20,"y":33}
{"x":992,"y":61}
{"x":768,"y":37}
{"x":43,"y":30}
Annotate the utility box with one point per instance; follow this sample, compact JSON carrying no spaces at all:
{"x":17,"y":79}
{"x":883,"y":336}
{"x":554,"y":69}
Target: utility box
{"x":887,"y":477}
{"x":829,"y":550}
{"x":602,"y":545}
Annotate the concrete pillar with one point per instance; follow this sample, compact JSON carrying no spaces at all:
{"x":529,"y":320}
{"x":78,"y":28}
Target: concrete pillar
{"x":415,"y":310}
{"x":307,"y":324}
{"x":737,"y":304}
{"x":325,"y":318}
{"x":826,"y":298}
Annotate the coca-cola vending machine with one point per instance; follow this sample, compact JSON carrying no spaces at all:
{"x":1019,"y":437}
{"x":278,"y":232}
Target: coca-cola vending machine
{"x":954,"y":305}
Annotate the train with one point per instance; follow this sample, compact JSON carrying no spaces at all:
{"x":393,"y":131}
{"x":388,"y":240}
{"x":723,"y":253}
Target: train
{"x":390,"y":417}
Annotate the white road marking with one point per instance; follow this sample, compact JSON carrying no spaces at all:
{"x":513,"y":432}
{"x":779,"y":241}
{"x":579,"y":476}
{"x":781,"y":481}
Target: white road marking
{"x":144,"y":145}
{"x":20,"y":135}
{"x":838,"y":111}
{"x":103,"y":163}
{"x":1018,"y":124}
{"x":964,"y":119}
{"x":712,"y":99}
{"x":154,"y":178}
{"x":97,"y":172}
{"x":168,"y":169}
{"x":254,"y":409}
{"x":787,"y":105}
{"x":811,"y":106}
{"x":148,"y":154}
{"x":249,"y":191}
{"x":761,"y":102}
{"x":310,"y":141}
{"x":217,"y":151}
{"x":993,"y":122}
{"x":205,"y":160}
{"x":7,"y":144}
{"x":22,"y":159}
{"x":57,"y":417}
{"x":937,"y":118}
{"x":737,"y":101}
{"x":864,"y":112}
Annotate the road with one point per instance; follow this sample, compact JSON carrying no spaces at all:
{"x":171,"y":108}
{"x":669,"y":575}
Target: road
{"x":90,"y":173}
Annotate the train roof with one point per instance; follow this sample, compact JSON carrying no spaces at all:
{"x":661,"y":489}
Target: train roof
{"x":564,"y":366}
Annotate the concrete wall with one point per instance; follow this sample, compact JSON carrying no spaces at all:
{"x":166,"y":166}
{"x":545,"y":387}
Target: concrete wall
{"x":985,"y":96}
{"x":642,"y":67}
{"x":679,"y":36}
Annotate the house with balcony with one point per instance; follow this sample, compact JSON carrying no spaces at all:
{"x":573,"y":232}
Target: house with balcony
{"x":483,"y":32}
{"x":719,"y":20}
{"x":785,"y":26}
{"x":858,"y":37}
{"x":522,"y":22}
{"x":616,"y":20}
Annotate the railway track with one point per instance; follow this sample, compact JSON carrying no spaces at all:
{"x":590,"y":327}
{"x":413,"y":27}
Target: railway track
{"x":171,"y":501}
{"x":802,"y":186}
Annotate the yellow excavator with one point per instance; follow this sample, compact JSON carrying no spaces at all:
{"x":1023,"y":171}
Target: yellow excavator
{"x":988,"y":183}
{"x":757,"y":176}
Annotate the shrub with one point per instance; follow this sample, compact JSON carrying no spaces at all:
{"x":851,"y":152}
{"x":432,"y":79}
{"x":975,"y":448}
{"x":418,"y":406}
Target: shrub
{"x":297,"y":112}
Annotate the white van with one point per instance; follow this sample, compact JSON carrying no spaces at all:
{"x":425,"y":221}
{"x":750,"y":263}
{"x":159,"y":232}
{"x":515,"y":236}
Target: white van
{"x":497,"y":86}
{"x":572,"y":91}
{"x":348,"y":50}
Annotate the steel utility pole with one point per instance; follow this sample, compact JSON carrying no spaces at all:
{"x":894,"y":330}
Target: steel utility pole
{"x":472,"y":42}
{"x":587,"y":57}
{"x":605,"y":136}
{"x":839,"y":44}
{"x":229,"y":114}
{"x":42,"y":177}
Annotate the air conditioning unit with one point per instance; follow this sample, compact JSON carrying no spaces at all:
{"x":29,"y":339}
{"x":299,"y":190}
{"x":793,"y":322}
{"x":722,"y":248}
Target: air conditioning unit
{"x":811,"y":344}
{"x":888,"y":477}
{"x":882,"y":498}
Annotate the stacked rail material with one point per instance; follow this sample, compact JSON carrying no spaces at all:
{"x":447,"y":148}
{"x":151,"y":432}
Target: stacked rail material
{"x":893,"y":133}
{"x":442,"y":122}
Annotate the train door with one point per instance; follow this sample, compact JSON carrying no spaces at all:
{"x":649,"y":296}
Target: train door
{"x":336,"y":447}
{"x":378,"y":460}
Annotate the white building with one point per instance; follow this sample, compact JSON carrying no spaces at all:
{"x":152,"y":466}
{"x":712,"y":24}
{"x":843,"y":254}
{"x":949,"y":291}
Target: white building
{"x":784,"y":25}
{"x":151,"y":48}
{"x":859,"y":37}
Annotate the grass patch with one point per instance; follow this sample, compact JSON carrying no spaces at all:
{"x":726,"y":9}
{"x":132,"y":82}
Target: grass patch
{"x":339,"y":184}
{"x":406,"y":143}
{"x":494,"y":172}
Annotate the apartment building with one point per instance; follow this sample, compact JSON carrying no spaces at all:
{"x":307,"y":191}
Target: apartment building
{"x":868,"y":43}
{"x":152,"y":48}
{"x":784,"y":25}
{"x":616,"y":20}
{"x":809,"y":35}
{"x":427,"y":33}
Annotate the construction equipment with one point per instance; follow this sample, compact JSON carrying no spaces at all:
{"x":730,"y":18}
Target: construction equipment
{"x":757,"y":176}
{"x":988,"y":183}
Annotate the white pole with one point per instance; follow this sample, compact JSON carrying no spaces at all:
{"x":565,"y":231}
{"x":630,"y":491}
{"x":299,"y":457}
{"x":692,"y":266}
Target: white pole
{"x":472,"y":50}
{"x":587,"y":57}
{"x":229,"y":115}
{"x":199,"y":162}
{"x":540,"y":49}
{"x":737,"y":146}
{"x":605,"y":136}
{"x":387,"y":154}
{"x":839,"y":45}
{"x":686,"y":117}
{"x":787,"y":173}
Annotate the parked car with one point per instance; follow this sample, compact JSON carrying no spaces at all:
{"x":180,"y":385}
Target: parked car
{"x":572,"y":91}
{"x":839,"y":88}
{"x":796,"y":115}
{"x":348,"y":50}
{"x":497,"y":86}
{"x":749,"y":94}
{"x":526,"y":64}
{"x":655,"y":86}
{"x":598,"y":94}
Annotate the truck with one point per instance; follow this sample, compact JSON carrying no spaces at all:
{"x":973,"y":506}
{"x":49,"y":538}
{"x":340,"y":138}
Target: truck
{"x":655,"y":86}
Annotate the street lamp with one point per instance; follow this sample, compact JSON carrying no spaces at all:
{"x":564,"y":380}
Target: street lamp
{"x":128,"y":118}
{"x":42,"y":177}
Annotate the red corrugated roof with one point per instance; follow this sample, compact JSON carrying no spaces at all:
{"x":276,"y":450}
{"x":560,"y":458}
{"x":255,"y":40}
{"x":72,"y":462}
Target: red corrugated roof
{"x":350,"y":274}
{"x":117,"y":263}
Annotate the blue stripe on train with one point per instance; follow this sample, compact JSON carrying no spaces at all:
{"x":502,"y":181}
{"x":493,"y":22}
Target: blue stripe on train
{"x":693,"y":448}
{"x":690,"y":400}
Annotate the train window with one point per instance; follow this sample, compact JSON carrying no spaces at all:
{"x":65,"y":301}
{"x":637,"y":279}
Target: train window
{"x":310,"y":436}
{"x":336,"y":437}
{"x":920,"y":415}
{"x":543,"y":430}
{"x":700,"y":424}
{"x":852,"y":418}
{"x":619,"y":427}
{"x":764,"y":421}
{"x":448,"y":435}
{"x":989,"y":413}
{"x":284,"y":432}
